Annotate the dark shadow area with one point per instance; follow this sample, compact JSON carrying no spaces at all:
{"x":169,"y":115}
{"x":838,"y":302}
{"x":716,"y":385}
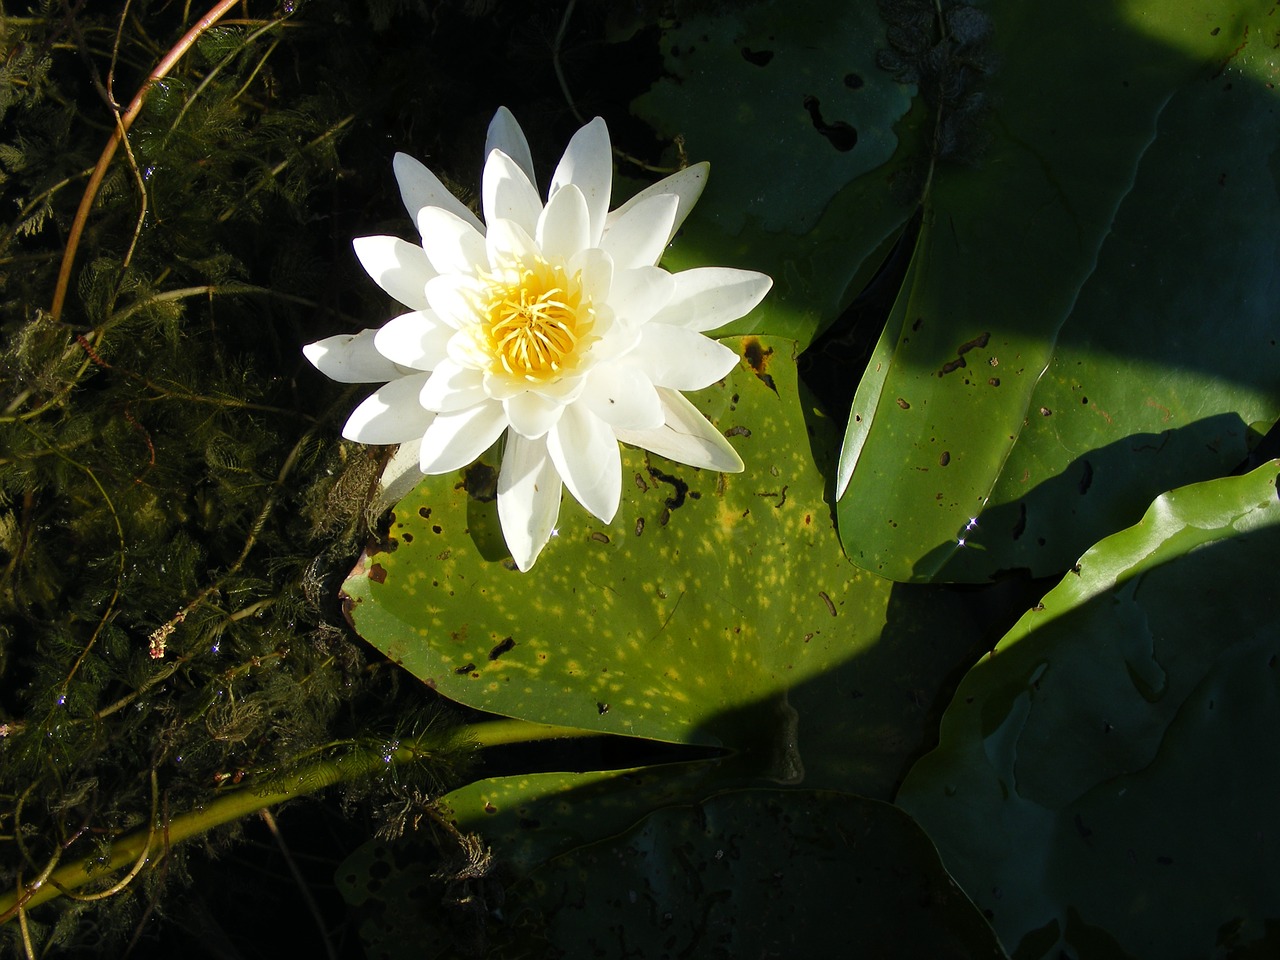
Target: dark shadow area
{"x":832,"y":365}
{"x":1116,"y":766}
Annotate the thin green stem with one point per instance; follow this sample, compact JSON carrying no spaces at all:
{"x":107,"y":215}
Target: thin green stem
{"x":149,"y":844}
{"x":500,"y":733}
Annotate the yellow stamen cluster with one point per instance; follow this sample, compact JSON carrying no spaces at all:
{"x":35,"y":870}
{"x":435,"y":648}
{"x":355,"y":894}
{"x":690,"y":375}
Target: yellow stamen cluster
{"x":535,"y":320}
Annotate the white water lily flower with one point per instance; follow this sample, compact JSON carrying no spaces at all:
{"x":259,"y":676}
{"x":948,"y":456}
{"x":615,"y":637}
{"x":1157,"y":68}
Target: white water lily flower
{"x":548,"y":323}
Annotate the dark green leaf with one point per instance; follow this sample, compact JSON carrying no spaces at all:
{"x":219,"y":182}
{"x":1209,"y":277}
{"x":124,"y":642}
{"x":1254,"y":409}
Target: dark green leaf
{"x":1105,"y":784}
{"x":760,"y":873}
{"x":802,"y":130}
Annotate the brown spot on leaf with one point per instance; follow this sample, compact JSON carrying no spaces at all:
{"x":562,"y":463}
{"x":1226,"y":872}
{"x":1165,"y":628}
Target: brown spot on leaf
{"x":1020,"y":527}
{"x":979,"y":341}
{"x":757,"y":355}
{"x":680,"y":489}
{"x":378,"y":573}
{"x":841,"y":135}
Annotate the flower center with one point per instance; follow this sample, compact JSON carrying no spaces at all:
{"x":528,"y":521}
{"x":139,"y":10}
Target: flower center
{"x":535,"y":322}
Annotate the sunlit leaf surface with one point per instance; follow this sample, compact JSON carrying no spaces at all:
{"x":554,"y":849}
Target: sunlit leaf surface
{"x":708,"y":594}
{"x":1089,"y":238}
{"x":715,"y":610}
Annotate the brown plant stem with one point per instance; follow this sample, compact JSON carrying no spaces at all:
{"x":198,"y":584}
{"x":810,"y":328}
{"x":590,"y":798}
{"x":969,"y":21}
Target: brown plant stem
{"x":126,"y":119}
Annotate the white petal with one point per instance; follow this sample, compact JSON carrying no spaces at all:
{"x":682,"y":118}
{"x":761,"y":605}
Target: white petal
{"x":452,"y":387}
{"x":452,"y":298}
{"x":588,"y":164}
{"x":455,"y":439}
{"x":564,"y":227}
{"x":351,"y":359}
{"x":397,"y":266}
{"x":419,"y":188}
{"x":452,"y":244}
{"x":640,"y":235}
{"x":637,"y":295}
{"x":687,"y":186}
{"x":391,"y":414}
{"x":399,"y":476}
{"x":507,"y":241}
{"x":622,"y":396}
{"x":688,"y":437}
{"x":419,"y":340}
{"x":710,"y":297}
{"x":507,"y":194}
{"x":681,"y":359}
{"x":532,"y":415}
{"x":585,"y":451}
{"x":528,"y":498}
{"x":621,"y":339}
{"x":505,"y":135}
{"x":566,"y":389}
{"x":596,"y":268}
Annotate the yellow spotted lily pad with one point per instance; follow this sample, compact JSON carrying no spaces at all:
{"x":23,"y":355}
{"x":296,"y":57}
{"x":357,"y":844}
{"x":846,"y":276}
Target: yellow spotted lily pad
{"x":688,"y":619}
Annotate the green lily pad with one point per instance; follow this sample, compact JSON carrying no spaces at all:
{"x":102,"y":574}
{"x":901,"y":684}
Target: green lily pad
{"x":716,"y":611}
{"x":688,"y":619}
{"x":751,"y":873}
{"x":802,"y":130}
{"x":389,"y":886}
{"x":1086,"y":239}
{"x":1171,"y":349}
{"x":1105,"y":782}
{"x":857,"y":726}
